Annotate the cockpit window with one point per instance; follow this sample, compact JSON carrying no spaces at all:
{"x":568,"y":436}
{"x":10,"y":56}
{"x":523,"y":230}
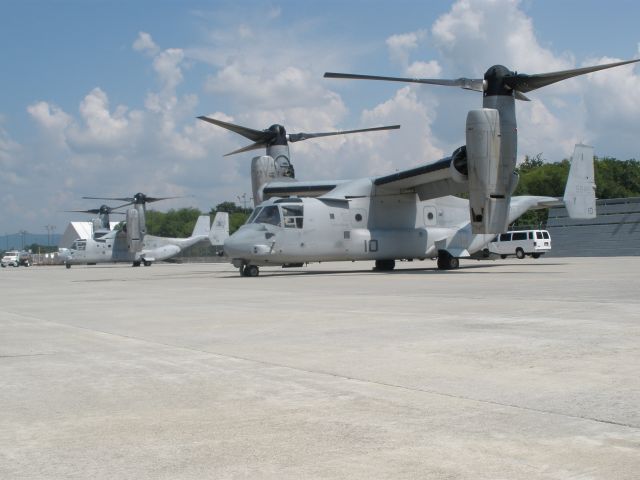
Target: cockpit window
{"x":293,"y":215}
{"x":79,"y":245}
{"x":268,"y":214}
{"x":253,"y":215}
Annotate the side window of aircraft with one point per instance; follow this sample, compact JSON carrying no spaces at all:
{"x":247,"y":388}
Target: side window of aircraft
{"x":505,"y":237}
{"x":293,"y":216}
{"x":270,"y":215}
{"x":79,"y":245}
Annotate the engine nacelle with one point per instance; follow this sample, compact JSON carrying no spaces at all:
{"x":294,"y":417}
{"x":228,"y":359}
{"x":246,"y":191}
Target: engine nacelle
{"x":490,"y":181}
{"x":134,"y":237}
{"x":458,"y":168}
{"x":269,"y":168}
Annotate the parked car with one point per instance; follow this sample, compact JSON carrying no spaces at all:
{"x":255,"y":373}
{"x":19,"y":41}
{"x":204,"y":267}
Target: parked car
{"x":521,"y":243}
{"x":14,"y":258}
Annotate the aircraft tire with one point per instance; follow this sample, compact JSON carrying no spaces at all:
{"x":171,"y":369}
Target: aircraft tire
{"x":67,"y":265}
{"x":251,"y":271}
{"x":385,"y":265}
{"x":146,"y":263}
{"x":519,"y":253}
{"x":447,"y":262}
{"x":135,"y":264}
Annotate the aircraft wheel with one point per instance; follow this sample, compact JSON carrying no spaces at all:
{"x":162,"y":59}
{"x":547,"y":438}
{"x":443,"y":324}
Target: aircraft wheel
{"x":535,"y":255}
{"x":251,"y":271}
{"x":146,"y":263}
{"x":385,"y":265}
{"x":135,"y":264}
{"x":447,"y":262}
{"x":520,"y":253}
{"x":67,"y":265}
{"x":503,"y":256}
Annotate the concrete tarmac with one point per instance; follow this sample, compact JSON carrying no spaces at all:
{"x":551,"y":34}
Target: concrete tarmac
{"x":509,"y":369}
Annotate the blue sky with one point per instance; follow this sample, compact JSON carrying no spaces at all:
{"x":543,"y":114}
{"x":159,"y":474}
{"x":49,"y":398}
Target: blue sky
{"x":100,"y":97}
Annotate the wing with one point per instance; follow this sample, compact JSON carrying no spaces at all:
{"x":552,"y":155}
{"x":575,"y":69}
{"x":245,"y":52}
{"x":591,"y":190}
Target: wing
{"x":299,"y":189}
{"x":431,"y":180}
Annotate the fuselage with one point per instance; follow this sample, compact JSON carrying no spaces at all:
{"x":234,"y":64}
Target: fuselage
{"x":299,"y":230}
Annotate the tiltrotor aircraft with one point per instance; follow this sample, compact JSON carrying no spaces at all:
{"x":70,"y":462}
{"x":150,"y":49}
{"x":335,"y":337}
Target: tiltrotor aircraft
{"x":102,"y":223}
{"x":409,"y":214}
{"x":132,"y":243}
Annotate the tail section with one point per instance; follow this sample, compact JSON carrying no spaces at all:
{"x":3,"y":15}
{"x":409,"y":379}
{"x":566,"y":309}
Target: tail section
{"x":580,"y":191}
{"x":220,"y":229}
{"x":202,"y":226}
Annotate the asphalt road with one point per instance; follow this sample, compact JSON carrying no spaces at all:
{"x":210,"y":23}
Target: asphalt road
{"x":513,"y":369}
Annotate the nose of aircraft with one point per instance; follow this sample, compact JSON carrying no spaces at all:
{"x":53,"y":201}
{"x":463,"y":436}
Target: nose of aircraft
{"x":243,"y":242}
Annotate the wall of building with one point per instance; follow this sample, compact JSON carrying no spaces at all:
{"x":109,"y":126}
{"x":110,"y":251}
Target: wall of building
{"x":614,"y":232}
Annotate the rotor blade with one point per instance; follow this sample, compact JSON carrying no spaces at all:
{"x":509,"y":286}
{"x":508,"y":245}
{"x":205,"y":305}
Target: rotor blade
{"x":466,"y":83}
{"x":250,"y":133}
{"x":125,"y":199}
{"x":157,"y":199}
{"x":253,"y":146}
{"x":526,"y":83}
{"x":296,"y":137}
{"x":93,"y":210}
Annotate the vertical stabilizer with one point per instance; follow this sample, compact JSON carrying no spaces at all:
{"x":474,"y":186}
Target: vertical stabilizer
{"x":202,"y":226}
{"x":580,"y":191}
{"x":219,"y":229}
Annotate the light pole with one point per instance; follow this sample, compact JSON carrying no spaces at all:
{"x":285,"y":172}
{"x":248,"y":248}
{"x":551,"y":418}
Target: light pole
{"x":50,"y":230}
{"x":23,"y":233}
{"x":243,"y":199}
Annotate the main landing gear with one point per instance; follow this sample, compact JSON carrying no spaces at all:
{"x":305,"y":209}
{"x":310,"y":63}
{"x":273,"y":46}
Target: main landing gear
{"x":446,"y":261}
{"x":385,"y":265}
{"x":249,"y":271}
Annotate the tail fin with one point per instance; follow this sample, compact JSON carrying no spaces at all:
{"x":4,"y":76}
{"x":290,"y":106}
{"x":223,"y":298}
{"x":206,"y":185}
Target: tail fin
{"x":580,"y":191}
{"x":220,"y":229}
{"x":202,"y":226}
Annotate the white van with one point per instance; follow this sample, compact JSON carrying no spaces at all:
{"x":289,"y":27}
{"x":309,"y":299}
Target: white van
{"x":521,"y":243}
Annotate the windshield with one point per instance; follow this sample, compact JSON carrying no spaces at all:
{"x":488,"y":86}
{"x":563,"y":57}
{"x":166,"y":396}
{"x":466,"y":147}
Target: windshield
{"x":269,"y":214}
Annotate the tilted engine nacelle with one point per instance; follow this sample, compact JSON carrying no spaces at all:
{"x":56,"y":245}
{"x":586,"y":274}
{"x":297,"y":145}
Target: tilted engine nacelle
{"x":491,"y":181}
{"x":134,"y":237}
{"x":268,"y":168}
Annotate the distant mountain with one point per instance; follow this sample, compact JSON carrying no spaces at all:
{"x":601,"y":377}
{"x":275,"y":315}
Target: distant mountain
{"x":15,"y":241}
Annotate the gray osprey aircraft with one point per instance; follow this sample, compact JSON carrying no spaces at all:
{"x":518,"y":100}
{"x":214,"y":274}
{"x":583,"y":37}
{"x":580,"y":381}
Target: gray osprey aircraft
{"x":102,"y":223}
{"x":132,"y":243}
{"x":410,"y":214}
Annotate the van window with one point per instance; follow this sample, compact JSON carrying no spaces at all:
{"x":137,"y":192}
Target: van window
{"x":530,"y":235}
{"x":505,"y":237}
{"x":545,"y":234}
{"x":519,"y":236}
{"x":539,"y":235}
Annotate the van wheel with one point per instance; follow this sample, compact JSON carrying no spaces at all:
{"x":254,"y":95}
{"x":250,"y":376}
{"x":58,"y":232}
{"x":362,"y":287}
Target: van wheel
{"x":535,"y":255}
{"x":503,"y":256}
{"x":519,"y":253}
